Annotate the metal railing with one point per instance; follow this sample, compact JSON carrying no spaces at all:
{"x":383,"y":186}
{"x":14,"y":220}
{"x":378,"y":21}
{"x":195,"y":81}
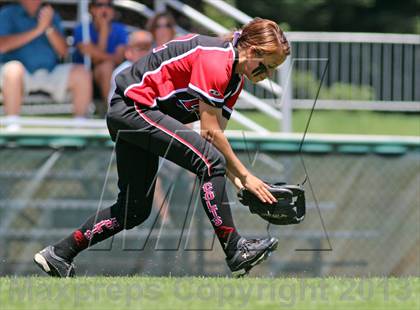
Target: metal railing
{"x":218,"y":29}
{"x":250,"y":99}
{"x":44,"y":104}
{"x":386,"y":67}
{"x":237,"y":116}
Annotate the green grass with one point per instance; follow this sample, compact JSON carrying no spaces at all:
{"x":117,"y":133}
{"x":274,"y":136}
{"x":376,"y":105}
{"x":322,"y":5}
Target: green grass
{"x":343,"y":122}
{"x":209,"y":293}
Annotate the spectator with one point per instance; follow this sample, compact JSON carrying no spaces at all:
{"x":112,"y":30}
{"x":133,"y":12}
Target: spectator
{"x":162,"y":27}
{"x":106,"y":46}
{"x":139,"y":44}
{"x":31,"y":44}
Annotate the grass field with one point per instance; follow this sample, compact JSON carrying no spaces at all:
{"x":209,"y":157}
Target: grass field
{"x":209,"y":293}
{"x":343,"y":122}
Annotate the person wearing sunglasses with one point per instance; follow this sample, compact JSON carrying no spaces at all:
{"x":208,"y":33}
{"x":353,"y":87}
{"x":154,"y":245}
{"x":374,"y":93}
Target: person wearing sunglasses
{"x":106,"y":47}
{"x":162,"y":27}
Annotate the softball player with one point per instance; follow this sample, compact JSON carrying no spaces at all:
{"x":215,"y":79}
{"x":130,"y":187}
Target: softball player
{"x":190,"y":78}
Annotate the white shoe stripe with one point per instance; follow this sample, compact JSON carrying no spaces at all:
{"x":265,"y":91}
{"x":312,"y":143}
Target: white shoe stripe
{"x":42,"y":262}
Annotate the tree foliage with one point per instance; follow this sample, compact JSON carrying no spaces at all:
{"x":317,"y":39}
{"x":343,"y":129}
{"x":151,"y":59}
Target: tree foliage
{"x":339,"y":15}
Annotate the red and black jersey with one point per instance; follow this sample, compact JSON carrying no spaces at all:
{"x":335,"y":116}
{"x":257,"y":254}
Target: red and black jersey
{"x":176,"y":75}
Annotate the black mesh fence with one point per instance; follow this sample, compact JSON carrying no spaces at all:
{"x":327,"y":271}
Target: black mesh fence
{"x":365,"y":222}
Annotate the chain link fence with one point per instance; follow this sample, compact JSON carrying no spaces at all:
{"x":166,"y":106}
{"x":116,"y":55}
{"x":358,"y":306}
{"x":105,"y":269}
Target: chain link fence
{"x":362,"y":217}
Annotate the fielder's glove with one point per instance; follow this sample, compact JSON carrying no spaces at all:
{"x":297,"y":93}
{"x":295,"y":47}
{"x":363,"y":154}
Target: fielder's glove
{"x":289,"y":208}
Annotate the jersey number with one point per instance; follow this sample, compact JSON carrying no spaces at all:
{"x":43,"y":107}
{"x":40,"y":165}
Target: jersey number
{"x":190,"y":105}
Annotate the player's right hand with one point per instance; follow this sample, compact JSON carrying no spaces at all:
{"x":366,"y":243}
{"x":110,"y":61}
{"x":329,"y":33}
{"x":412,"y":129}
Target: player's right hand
{"x":258,"y":188}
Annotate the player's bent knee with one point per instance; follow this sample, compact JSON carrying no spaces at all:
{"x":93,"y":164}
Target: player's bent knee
{"x":218,"y":164}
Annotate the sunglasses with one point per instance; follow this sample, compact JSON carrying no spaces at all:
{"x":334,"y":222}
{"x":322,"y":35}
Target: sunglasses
{"x":163,"y":26}
{"x":104,"y":5}
{"x":140,"y":48}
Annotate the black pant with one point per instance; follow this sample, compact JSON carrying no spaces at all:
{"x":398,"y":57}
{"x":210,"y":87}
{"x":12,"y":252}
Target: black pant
{"x":141,"y":136}
{"x":154,"y":134}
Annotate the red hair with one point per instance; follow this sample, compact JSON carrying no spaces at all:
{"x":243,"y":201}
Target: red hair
{"x":264,"y":35}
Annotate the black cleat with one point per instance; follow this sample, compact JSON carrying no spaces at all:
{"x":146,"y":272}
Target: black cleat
{"x":249,"y":253}
{"x":54,"y":265}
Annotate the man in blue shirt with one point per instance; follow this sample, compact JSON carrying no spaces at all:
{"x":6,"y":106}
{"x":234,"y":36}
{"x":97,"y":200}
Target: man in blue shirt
{"x":31,"y":44}
{"x":106,"y":46}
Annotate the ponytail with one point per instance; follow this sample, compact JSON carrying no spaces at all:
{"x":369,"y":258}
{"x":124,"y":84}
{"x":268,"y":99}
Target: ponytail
{"x":264,"y":35}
